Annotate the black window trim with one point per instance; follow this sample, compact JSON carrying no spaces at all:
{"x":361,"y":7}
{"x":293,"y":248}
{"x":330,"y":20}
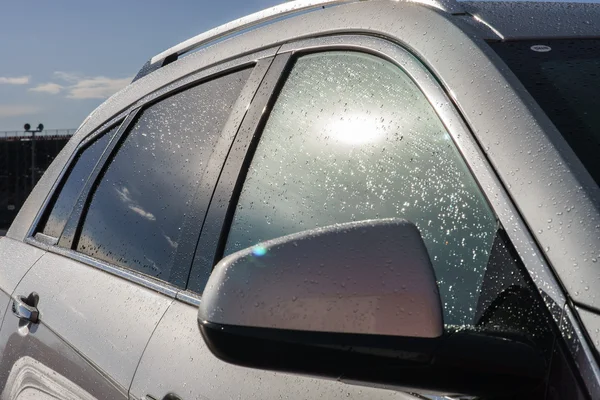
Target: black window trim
{"x":229,"y":187}
{"x":230,"y":176}
{"x":259,"y":62}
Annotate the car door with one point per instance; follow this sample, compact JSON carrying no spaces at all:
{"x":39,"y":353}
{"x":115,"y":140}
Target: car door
{"x":349,"y":136}
{"x":116,"y":240}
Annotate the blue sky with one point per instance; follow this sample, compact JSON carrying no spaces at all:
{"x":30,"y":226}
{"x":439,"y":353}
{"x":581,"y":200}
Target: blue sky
{"x":62,"y":58}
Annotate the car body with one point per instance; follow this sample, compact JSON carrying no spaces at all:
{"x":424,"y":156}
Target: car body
{"x":115,"y":244}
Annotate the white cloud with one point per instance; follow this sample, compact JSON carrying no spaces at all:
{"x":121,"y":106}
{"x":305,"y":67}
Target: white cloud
{"x":19,"y":80}
{"x":17,"y":110}
{"x":97,"y":87}
{"x":125,"y":196}
{"x":67,"y":76}
{"x":171,"y":242}
{"x":142,"y":213}
{"x":51,"y":88}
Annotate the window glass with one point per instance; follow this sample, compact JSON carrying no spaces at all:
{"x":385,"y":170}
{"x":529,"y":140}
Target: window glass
{"x":350,"y":138}
{"x":563,"y":75}
{"x":77,"y":177}
{"x":136,"y":214}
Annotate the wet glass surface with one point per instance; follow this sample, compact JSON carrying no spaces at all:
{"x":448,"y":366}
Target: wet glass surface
{"x":351,"y":138}
{"x":69,"y":193}
{"x":137,"y":211}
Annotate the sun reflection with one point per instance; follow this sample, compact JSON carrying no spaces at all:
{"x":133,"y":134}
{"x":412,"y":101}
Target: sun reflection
{"x":356,"y":130}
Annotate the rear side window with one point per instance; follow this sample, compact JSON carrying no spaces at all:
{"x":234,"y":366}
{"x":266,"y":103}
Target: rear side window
{"x":76,"y":179}
{"x":350,"y":138}
{"x":136,"y":213}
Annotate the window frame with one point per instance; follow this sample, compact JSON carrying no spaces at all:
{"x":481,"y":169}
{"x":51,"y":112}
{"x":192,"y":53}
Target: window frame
{"x":223,"y":205}
{"x":259,"y":62}
{"x":64,"y":177}
{"x":452,"y":116}
{"x":228,"y":189}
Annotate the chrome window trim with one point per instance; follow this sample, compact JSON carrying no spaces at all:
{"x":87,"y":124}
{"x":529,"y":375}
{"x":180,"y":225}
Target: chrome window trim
{"x":125,"y":120}
{"x":190,"y":298}
{"x":130,"y":275}
{"x":518,"y":232}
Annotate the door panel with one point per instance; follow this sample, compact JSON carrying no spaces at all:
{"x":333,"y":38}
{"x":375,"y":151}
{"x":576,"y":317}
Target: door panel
{"x":177,"y":361}
{"x":45,"y":367}
{"x":15,"y":260}
{"x":108,"y":320}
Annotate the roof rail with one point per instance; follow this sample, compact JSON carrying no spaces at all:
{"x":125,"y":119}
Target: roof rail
{"x":230,"y":28}
{"x":259,"y":18}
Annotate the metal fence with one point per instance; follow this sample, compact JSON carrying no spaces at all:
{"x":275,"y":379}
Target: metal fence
{"x":24,"y":156}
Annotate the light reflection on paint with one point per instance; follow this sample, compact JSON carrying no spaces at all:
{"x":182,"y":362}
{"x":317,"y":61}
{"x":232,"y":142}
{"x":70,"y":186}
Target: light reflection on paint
{"x":259,"y":251}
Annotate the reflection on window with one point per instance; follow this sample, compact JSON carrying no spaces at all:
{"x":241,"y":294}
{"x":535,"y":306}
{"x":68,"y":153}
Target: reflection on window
{"x":137,"y":212}
{"x":351,"y":138}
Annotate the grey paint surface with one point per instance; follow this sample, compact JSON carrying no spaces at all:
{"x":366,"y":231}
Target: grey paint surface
{"x":368,"y":277}
{"x":592,"y":325}
{"x":16,"y":258}
{"x":106,"y":318}
{"x":545,"y":179}
{"x":178,"y":361}
{"x":36,"y":363}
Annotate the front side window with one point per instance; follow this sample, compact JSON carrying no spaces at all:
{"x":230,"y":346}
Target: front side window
{"x":136,"y":213}
{"x":351,"y":137}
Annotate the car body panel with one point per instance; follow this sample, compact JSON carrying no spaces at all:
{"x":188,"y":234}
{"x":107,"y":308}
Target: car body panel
{"x":108,"y":320}
{"x":37,"y":364}
{"x":16,"y":258}
{"x":592,"y":325}
{"x":178,"y":361}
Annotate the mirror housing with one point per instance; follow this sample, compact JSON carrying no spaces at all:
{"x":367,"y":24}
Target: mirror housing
{"x":362,"y":278}
{"x":358,"y":302}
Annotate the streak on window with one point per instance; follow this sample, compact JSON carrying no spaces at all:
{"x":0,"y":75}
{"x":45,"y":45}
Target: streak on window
{"x":136,"y":214}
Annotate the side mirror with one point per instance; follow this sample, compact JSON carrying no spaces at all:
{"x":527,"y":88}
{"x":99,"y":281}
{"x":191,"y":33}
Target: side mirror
{"x":357,"y":302}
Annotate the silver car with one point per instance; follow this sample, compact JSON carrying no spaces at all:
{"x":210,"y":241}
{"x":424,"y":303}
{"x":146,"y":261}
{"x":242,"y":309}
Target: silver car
{"x":325,"y":200}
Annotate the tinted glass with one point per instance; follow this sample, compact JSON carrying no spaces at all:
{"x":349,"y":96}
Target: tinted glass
{"x":77,"y":177}
{"x":137,"y":211}
{"x":351,"y":138}
{"x":564,"y":78}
